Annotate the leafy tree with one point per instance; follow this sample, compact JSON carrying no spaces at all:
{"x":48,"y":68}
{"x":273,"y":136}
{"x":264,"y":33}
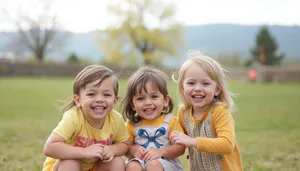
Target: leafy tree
{"x":138,"y":40}
{"x":265,"y":48}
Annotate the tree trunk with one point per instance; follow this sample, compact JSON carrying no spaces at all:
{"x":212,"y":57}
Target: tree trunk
{"x":39,"y":53}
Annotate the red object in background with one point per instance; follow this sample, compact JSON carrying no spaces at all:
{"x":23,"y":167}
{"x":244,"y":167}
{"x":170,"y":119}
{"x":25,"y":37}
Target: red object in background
{"x":252,"y":75}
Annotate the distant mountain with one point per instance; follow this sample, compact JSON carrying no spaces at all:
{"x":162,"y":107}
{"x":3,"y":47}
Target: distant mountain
{"x":228,"y":38}
{"x":211,"y":38}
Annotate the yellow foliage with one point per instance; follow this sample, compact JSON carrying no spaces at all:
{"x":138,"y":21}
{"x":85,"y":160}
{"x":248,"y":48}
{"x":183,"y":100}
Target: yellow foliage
{"x":133,"y":38}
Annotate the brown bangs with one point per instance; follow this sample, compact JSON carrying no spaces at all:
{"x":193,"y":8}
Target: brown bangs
{"x":158,"y":83}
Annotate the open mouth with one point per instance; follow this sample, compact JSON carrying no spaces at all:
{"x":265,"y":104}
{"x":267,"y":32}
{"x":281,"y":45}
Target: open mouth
{"x":98,"y":109}
{"x":198,"y":97}
{"x":149,"y":110}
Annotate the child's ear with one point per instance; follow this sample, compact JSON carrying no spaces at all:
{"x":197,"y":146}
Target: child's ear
{"x":132,"y":106}
{"x":166,"y":101}
{"x":116,"y":100}
{"x":76,"y":99}
{"x":218,"y":90}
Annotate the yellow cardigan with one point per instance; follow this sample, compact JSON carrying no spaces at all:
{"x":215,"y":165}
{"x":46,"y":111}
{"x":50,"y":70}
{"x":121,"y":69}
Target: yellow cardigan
{"x":225,"y":142}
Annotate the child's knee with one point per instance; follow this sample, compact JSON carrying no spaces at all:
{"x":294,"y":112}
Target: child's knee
{"x":154,"y":164}
{"x":118,"y":161}
{"x":133,"y":165}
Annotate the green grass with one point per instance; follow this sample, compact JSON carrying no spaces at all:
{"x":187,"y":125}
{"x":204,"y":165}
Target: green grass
{"x":267,"y":122}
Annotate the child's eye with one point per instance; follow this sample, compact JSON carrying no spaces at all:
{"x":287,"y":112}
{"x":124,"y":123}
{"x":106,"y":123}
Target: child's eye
{"x":190,"y":83}
{"x":90,"y":94}
{"x":139,"y":98}
{"x":107,"y":94}
{"x":154,"y":96}
{"x":206,"y":83}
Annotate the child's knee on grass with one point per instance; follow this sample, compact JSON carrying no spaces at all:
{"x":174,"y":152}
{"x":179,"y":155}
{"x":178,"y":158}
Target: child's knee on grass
{"x":67,"y":165}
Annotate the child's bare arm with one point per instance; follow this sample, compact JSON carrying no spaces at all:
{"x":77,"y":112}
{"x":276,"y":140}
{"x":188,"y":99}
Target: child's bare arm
{"x":172,"y":151}
{"x":56,"y":147}
{"x":135,"y":151}
{"x":117,"y":149}
{"x":120,"y":149}
{"x":183,"y":139}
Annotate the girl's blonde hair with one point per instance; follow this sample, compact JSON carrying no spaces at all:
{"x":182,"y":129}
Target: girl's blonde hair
{"x":88,"y":75}
{"x":214,"y":70}
{"x":137,"y":83}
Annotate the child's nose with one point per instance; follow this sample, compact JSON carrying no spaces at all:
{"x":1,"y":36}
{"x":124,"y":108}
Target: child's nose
{"x":99,"y":99}
{"x":198,"y":87}
{"x":148,"y":101}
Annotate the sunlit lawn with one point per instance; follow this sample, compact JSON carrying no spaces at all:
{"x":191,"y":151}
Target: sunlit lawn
{"x":267,"y":122}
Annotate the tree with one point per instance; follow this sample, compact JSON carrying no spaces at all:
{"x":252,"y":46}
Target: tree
{"x":38,"y":33}
{"x":73,"y":58}
{"x":136,"y":38}
{"x":265,"y":48}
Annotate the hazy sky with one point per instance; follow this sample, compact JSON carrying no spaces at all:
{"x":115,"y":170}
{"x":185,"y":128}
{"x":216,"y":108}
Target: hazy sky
{"x":87,"y":15}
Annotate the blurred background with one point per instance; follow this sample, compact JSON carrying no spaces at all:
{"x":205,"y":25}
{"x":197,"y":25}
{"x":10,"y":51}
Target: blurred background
{"x":45,"y":43}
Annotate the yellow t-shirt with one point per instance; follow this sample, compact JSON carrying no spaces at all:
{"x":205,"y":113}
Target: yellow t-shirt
{"x":173,"y":124}
{"x":76,"y":130}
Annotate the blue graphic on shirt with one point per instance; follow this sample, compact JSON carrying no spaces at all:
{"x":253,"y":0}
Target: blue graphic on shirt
{"x":158,"y":133}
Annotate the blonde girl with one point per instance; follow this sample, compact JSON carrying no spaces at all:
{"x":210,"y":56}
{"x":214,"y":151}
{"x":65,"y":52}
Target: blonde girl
{"x":205,"y":115}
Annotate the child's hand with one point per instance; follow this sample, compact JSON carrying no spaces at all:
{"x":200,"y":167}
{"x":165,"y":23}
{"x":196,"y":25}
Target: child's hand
{"x":151,"y":154}
{"x":183,"y":139}
{"x":107,"y":154}
{"x":139,"y":152}
{"x":93,"y":151}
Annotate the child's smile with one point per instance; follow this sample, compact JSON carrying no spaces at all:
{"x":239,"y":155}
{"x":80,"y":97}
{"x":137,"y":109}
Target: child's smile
{"x":149,"y":110}
{"x":97,"y":100}
{"x":98,"y":109}
{"x":199,"y":88}
{"x":150,"y":102}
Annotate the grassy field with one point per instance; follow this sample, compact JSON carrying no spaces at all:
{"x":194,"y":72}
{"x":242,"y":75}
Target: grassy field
{"x":267,"y":122}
